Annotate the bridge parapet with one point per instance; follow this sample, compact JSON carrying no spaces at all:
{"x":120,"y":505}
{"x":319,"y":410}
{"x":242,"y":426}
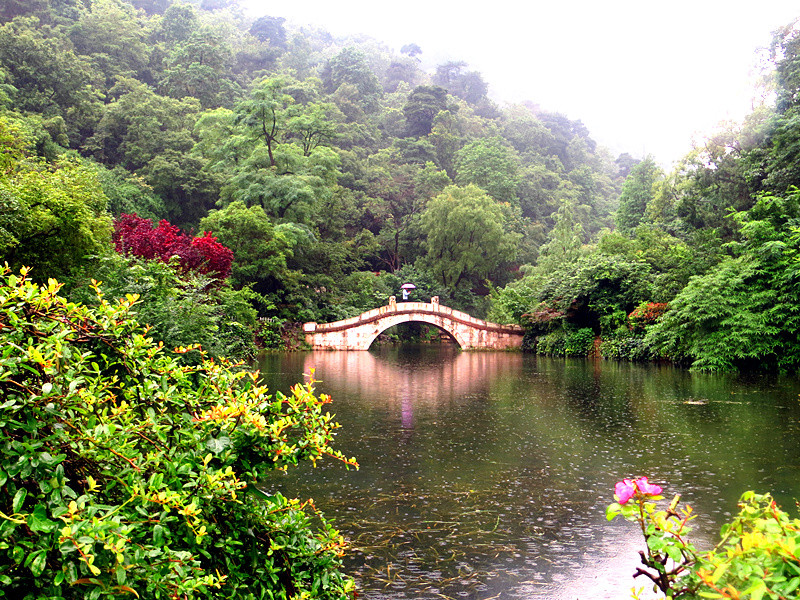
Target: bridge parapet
{"x":358,"y":333}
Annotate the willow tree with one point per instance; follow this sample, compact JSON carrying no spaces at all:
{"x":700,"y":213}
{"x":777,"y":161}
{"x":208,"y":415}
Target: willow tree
{"x":467,"y":239}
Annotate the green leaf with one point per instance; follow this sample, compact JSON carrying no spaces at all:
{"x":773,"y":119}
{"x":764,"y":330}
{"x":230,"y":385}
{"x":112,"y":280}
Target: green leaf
{"x":19,"y":500}
{"x":674,"y":553}
{"x":613,"y":510}
{"x":758,"y":593}
{"x":656,"y":544}
{"x":38,"y":520}
{"x":793,"y":585}
{"x":158,"y":535}
{"x":38,"y":562}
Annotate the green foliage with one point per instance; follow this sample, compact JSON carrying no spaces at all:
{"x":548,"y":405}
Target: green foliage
{"x":125,"y":471}
{"x":111,"y":36}
{"x":269,"y":333}
{"x":179,"y":309}
{"x":637,"y":193}
{"x":756,"y":558}
{"x":745,"y":310}
{"x":49,"y":78}
{"x":468,"y":85}
{"x":465,"y":236}
{"x":200,"y":67}
{"x":129,"y":194}
{"x":564,"y":243}
{"x":350,"y":67}
{"x":260,"y":248}
{"x":52,"y":217}
{"x":624,"y":344}
{"x":422,"y":106}
{"x":491,"y":165}
{"x":139,"y":126}
{"x":566,"y":341}
{"x":596,"y":288}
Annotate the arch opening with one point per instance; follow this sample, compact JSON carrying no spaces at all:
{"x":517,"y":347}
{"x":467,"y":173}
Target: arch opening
{"x":414,"y":331}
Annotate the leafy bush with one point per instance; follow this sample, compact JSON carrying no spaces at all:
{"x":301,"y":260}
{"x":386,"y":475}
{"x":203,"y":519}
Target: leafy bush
{"x":579,"y":342}
{"x":179,"y":308}
{"x":627,"y":345}
{"x":203,"y":254}
{"x":125,"y":471}
{"x":758,"y":556}
{"x":551,"y":344}
{"x":745,"y":310}
{"x":269,"y":332}
{"x":566,"y":341}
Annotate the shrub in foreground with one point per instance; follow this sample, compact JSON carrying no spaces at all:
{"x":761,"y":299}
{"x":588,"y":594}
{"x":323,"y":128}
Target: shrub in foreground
{"x":757,"y":557}
{"x":126,"y":473}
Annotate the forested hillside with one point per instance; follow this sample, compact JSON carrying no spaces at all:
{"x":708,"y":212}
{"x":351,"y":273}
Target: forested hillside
{"x":227,"y":168}
{"x":333,"y":169}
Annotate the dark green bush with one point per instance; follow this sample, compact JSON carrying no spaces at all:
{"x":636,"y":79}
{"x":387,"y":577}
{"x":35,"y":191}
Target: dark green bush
{"x":627,"y":345}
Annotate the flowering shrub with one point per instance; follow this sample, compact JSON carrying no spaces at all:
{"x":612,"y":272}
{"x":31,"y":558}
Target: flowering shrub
{"x":758,"y":556}
{"x":136,"y":236}
{"x":646,"y":314}
{"x":127,"y":473}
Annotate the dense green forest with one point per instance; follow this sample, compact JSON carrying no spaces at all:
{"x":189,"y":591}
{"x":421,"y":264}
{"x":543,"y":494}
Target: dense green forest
{"x":241,"y":175}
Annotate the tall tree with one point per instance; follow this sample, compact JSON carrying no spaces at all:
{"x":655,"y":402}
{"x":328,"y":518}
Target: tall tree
{"x":423,"y":104}
{"x":637,"y":192}
{"x":270,"y":29}
{"x":492,"y":166}
{"x":350,"y":66}
{"x":466,"y":236}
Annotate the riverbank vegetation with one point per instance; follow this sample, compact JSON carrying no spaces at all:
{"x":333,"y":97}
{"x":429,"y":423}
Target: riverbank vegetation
{"x":243,"y":175}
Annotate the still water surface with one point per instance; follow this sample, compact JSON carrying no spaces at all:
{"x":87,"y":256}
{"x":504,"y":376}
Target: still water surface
{"x":486,"y":475}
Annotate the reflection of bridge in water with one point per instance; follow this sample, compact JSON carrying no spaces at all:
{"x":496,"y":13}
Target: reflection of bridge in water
{"x":359,"y":332}
{"x":369,"y":375}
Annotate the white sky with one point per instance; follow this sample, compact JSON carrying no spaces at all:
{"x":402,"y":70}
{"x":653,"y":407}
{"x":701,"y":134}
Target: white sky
{"x":645,"y":77}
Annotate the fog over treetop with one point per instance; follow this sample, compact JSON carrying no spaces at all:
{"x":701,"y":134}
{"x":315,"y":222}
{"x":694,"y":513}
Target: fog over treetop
{"x":644,"y":77}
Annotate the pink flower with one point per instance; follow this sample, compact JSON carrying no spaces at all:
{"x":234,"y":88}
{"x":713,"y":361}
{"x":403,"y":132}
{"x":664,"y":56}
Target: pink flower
{"x":648,"y":489}
{"x":624,"y":490}
{"x":627,"y":488}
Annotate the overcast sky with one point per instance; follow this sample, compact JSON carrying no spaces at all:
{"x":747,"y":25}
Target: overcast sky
{"x":645,"y":77}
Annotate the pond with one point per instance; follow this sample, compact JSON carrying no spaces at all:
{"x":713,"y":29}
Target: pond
{"x":486,"y":474}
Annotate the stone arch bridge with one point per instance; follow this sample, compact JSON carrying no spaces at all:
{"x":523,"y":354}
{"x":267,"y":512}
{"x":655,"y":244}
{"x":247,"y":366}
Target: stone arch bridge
{"x":358,"y":333}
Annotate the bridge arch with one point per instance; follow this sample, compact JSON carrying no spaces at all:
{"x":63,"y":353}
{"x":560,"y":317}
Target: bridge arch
{"x":445,"y":325}
{"x":358,"y":333}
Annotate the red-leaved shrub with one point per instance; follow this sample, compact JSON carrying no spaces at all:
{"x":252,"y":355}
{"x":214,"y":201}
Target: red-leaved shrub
{"x":136,"y":236}
{"x":646,"y":314}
